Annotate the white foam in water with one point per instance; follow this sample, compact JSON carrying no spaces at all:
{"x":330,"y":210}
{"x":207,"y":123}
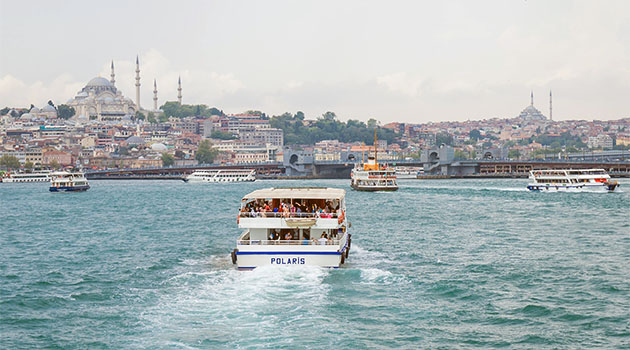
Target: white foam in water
{"x":224,"y":303}
{"x":372,"y":274}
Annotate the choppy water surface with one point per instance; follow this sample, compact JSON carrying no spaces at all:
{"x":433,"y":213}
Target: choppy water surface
{"x":440,"y":264}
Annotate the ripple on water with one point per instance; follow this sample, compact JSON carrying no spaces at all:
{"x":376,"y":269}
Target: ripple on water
{"x":438,"y":264}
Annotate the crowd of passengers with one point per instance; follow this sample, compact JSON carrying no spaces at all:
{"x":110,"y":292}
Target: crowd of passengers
{"x":283,"y":236}
{"x":288,"y":209}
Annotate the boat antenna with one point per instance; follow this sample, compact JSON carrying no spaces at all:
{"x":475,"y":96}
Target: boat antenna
{"x":375,"y":150}
{"x":363,"y":152}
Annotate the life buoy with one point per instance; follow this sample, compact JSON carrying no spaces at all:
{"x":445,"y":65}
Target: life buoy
{"x":341,"y":217}
{"x":238,"y":218}
{"x":233,"y":254}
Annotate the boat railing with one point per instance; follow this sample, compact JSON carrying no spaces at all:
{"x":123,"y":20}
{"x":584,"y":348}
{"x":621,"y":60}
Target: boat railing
{"x":287,"y":242}
{"x":271,"y":214}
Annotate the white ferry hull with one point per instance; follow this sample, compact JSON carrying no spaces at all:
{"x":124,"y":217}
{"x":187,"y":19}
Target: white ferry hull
{"x":571,"y":188}
{"x":200,"y":180}
{"x":70,"y":188}
{"x":10,"y":180}
{"x":248,"y":256}
{"x":251,"y":260}
{"x":374,"y":188}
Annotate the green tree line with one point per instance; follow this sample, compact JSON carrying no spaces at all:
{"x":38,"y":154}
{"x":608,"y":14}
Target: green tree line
{"x":174,"y":109}
{"x":328,"y":127}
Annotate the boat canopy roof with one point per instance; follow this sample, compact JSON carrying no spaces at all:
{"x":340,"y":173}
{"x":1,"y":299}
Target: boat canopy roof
{"x":297,"y":193}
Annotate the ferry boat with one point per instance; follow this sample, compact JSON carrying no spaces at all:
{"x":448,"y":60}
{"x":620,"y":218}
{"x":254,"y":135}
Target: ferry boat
{"x":68,"y":182}
{"x":37,"y":176}
{"x":571,"y":180}
{"x":371,"y":176}
{"x":405,"y":173}
{"x":293,"y":226}
{"x":231,"y":175}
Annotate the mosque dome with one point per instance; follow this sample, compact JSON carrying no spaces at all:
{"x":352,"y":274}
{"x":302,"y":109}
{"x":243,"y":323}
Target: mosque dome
{"x":34,"y":110}
{"x":158,"y":147}
{"x":135,"y":140}
{"x":48,"y":108}
{"x":99,"y":81}
{"x":26,"y":116}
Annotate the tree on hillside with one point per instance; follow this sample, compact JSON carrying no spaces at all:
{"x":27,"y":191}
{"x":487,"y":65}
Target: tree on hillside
{"x":442,"y":138}
{"x":514,"y":154}
{"x":140,"y":116}
{"x":222,"y":135}
{"x":54,"y":164}
{"x":205,"y":153}
{"x":174,"y":109}
{"x":28,"y":165}
{"x":167,"y":159}
{"x":4,"y":110}
{"x":9,"y":162}
{"x":65,"y":111}
{"x":474,"y":134}
{"x":162,"y":118}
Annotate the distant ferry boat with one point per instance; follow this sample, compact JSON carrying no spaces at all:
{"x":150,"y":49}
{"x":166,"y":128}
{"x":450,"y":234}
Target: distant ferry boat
{"x":37,"y":176}
{"x":293,"y":226}
{"x":63,"y":181}
{"x":571,"y":180}
{"x":232,"y":175}
{"x":403,"y":173}
{"x":371,"y":176}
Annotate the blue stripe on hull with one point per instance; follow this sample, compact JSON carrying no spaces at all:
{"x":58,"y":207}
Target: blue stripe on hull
{"x":287,"y":253}
{"x":69,"y":189}
{"x":253,"y":267}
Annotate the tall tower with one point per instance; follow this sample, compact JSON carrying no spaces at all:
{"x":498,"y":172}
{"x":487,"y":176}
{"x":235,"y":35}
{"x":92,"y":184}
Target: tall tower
{"x":550,"y":107}
{"x":179,"y":90}
{"x":155,"y":95}
{"x":137,"y":83}
{"x":112,"y":80}
{"x":532,"y":97}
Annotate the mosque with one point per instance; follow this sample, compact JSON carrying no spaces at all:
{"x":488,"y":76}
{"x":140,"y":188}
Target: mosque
{"x":101,"y":100}
{"x":531,"y":113}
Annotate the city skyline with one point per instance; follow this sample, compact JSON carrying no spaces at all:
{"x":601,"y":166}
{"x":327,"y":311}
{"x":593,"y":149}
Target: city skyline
{"x":454,"y":61}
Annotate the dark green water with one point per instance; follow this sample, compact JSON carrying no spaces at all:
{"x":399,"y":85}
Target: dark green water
{"x":438,"y":264}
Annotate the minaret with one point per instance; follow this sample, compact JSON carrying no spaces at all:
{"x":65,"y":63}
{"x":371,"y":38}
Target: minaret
{"x":112,"y":80}
{"x":137,"y":83}
{"x":532,"y":97}
{"x":155,"y":95}
{"x":179,"y":90}
{"x":550,"y":109}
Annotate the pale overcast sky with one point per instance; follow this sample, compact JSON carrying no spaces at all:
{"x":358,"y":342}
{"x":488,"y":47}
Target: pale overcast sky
{"x":411,"y":61}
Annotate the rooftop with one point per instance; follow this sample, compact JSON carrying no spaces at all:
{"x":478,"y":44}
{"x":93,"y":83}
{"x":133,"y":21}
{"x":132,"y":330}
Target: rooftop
{"x":297,"y":193}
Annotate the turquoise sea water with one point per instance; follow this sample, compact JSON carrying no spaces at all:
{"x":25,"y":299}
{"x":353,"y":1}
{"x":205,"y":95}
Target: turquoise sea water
{"x":438,"y":264}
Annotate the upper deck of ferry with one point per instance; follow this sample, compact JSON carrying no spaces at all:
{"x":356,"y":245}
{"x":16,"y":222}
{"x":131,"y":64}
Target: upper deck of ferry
{"x":283,"y":208}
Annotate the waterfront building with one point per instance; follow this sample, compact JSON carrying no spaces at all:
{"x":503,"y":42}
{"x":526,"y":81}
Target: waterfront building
{"x":600,"y":141}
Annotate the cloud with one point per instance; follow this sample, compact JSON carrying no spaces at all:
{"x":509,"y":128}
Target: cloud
{"x":402,"y":83}
{"x":17,"y":93}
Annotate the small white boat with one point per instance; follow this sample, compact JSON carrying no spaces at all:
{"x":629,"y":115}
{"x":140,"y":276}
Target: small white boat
{"x":293,"y":226}
{"x":571,"y":180}
{"x":36,"y":176}
{"x":406,"y":173}
{"x":64,"y":181}
{"x":231,"y":175}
